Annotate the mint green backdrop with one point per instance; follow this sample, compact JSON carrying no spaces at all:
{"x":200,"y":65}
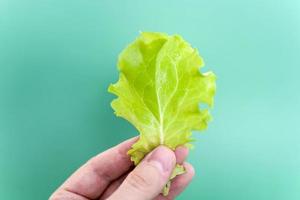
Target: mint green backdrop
{"x":57,"y":58}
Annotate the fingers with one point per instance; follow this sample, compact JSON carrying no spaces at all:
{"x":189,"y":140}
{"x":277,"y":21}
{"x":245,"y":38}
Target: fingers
{"x":92,"y":178}
{"x":148,"y":178}
{"x":113,"y":187}
{"x":145,"y":182}
{"x":66,"y":195}
{"x":179,"y":183}
{"x":181,"y":153}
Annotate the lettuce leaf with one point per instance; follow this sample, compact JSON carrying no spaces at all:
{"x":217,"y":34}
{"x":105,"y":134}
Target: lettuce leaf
{"x":159,"y":91}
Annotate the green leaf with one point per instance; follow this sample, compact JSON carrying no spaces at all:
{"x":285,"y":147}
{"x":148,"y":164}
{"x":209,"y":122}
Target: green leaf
{"x":159,"y":91}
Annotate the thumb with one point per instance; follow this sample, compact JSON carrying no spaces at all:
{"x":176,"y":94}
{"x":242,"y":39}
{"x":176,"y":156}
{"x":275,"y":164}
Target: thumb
{"x":147,"y":180}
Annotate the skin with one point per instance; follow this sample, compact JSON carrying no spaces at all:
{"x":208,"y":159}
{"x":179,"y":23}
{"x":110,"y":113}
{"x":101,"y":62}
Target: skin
{"x":111,"y":175}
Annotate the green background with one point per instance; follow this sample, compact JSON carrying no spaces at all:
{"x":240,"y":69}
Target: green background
{"x":57,"y":58}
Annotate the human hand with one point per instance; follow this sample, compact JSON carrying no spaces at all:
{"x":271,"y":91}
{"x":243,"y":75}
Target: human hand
{"x":112,"y":176}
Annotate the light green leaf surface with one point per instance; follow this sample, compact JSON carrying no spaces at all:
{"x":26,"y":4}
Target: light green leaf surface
{"x":159,"y":91}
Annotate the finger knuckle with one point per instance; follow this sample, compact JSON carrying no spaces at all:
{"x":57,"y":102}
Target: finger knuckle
{"x":139,"y":182}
